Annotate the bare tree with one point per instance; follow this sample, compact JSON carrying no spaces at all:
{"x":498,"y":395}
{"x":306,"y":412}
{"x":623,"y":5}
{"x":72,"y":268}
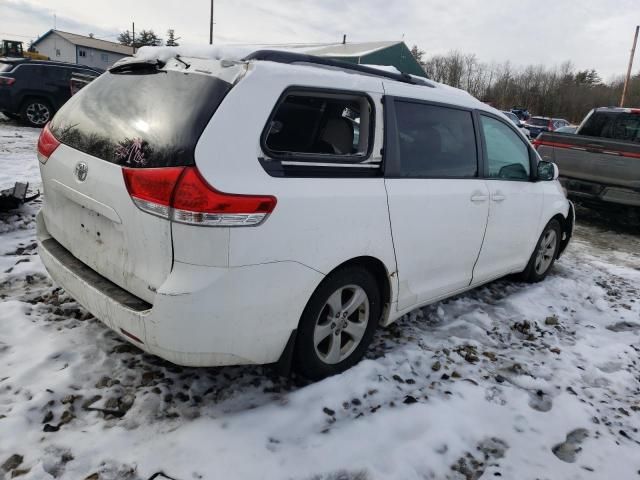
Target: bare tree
{"x":559,"y":90}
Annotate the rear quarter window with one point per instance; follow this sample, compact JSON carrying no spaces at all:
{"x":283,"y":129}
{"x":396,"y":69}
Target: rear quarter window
{"x":312,"y":125}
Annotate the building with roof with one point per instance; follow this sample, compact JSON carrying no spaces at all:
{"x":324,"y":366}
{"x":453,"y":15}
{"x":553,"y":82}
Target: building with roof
{"x":393,"y":53}
{"x":73,"y":48}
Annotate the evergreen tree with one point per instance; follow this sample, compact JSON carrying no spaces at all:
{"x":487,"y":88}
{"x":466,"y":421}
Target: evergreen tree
{"x":125,"y":38}
{"x":147,"y":38}
{"x":144,"y":38}
{"x":172,"y":41}
{"x":417,"y":54}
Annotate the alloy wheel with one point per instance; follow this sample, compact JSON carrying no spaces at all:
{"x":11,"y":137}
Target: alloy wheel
{"x":38,"y":113}
{"x":546,"y":252}
{"x":341,"y":324}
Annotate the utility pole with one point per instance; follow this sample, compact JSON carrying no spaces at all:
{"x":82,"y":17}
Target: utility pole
{"x":133,"y":36}
{"x":211,"y":25}
{"x":626,"y":80}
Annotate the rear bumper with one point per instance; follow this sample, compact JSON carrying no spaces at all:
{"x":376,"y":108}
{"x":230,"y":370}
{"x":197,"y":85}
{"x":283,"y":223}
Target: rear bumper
{"x":201,"y":316}
{"x":6,"y":105}
{"x":600,"y":193}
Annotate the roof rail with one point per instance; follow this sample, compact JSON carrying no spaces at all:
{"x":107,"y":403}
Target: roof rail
{"x":281,"y":56}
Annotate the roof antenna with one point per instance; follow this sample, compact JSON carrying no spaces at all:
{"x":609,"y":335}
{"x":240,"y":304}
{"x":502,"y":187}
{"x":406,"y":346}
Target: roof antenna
{"x":344,"y":39}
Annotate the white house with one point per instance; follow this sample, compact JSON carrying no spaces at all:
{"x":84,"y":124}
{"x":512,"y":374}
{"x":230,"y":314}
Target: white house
{"x":69,"y":47}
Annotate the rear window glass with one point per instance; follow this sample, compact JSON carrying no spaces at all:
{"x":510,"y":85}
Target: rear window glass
{"x":312,"y":124}
{"x":149,"y":118}
{"x":5,"y":67}
{"x":436,"y":142}
{"x":539,"y":122}
{"x":617,"y":126}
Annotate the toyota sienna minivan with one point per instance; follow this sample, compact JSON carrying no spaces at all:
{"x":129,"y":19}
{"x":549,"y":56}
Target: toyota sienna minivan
{"x":282,"y":207}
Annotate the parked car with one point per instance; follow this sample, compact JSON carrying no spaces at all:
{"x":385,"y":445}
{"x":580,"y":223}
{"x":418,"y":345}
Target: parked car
{"x":567,"y":129}
{"x":521,"y":112}
{"x":600,"y":163}
{"x":536,"y":125}
{"x":33,"y":90}
{"x":221,"y":212}
{"x":518,"y":123}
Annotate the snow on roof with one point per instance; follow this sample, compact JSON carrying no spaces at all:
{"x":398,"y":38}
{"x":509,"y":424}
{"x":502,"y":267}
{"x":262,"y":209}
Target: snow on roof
{"x":237,"y":52}
{"x":89,"y":42}
{"x":384,"y":68}
{"x":211,"y":52}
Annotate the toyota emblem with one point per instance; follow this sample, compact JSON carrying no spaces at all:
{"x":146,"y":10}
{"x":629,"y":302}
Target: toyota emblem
{"x":81,"y":171}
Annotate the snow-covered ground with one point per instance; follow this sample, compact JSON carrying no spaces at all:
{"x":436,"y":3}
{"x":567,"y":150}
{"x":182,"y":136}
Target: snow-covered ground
{"x":17,"y":156}
{"x":507,"y":381}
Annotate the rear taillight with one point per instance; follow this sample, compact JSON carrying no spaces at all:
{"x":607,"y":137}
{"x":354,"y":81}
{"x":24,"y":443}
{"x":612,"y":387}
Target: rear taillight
{"x":151,"y":188}
{"x":536,"y":143}
{"x":8,"y":81}
{"x":47,"y":144}
{"x":182,"y":195}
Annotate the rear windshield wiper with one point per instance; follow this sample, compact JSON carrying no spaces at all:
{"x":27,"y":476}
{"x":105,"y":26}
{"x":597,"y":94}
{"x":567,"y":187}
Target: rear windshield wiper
{"x":178,"y":58}
{"x":135,"y":65}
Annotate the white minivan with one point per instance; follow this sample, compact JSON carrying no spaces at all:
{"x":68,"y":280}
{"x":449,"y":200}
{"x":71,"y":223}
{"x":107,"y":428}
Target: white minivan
{"x":281,"y":207}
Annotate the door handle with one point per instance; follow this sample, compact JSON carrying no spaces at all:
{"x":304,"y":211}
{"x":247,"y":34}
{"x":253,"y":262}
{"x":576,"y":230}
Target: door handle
{"x":497,"y":197}
{"x":478,"y":198}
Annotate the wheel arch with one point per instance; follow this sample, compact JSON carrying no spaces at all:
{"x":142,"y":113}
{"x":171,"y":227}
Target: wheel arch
{"x":383,"y":277}
{"x":35,"y":96}
{"x":566,"y":223}
{"x":566,"y":226}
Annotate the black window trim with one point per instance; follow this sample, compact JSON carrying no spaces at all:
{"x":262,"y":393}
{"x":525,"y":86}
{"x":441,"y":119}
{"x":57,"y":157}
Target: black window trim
{"x":391,"y":160}
{"x":533,"y":161}
{"x":319,"y":160}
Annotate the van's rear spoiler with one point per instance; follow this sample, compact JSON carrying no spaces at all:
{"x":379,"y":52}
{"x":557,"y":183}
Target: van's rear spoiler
{"x":130,"y":64}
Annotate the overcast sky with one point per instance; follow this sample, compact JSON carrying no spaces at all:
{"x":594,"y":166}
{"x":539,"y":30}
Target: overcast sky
{"x":591,"y":33}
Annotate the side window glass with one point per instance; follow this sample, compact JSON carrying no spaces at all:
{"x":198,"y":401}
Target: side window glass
{"x":507,"y":154}
{"x":435,"y":142}
{"x":315,"y":123}
{"x":626,"y":126}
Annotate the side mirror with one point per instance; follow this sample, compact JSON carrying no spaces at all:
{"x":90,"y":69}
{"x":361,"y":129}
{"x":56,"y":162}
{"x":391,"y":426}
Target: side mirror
{"x":547,"y":171}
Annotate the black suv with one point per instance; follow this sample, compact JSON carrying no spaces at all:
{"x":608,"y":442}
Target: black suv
{"x":33,"y":90}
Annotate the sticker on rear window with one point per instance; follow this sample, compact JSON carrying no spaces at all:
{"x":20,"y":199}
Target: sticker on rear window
{"x":132,"y":152}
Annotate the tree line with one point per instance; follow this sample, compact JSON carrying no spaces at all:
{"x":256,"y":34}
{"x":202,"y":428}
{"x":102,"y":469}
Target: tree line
{"x":147,"y":38}
{"x":558,"y":91}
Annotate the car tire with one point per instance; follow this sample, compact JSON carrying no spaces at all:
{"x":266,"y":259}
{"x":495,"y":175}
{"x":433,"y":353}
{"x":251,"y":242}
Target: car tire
{"x":545,"y":253}
{"x":36,"y":112}
{"x":337,"y":324}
